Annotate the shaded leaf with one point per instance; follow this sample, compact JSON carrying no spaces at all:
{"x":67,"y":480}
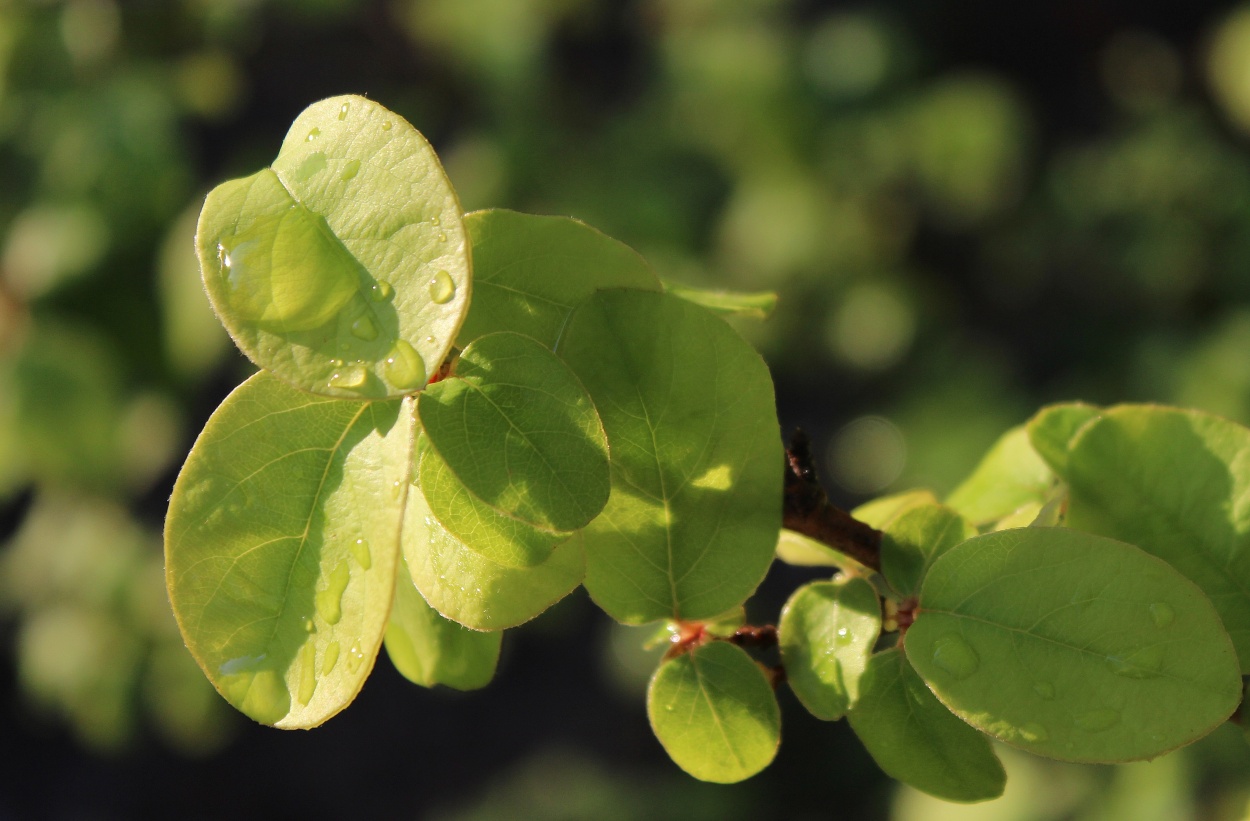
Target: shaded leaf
{"x":1072,"y":646}
{"x":913,"y":539}
{"x":428,"y":649}
{"x":1052,"y":428}
{"x":916,"y":740}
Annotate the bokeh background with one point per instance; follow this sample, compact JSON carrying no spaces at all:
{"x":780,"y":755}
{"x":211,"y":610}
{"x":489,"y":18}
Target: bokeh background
{"x":968,"y":208}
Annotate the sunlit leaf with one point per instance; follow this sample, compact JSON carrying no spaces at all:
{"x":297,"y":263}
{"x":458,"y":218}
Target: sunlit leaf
{"x":530,"y":271}
{"x":1072,"y":646}
{"x":754,"y":304}
{"x":1176,"y":484}
{"x":914,"y":539}
{"x":692,"y":522}
{"x":470,"y":589}
{"x":343,"y":268}
{"x":827,"y":631}
{"x":715,"y":713}
{"x":880,"y":512}
{"x":1009,"y":477}
{"x":797,"y":549}
{"x":429,"y":649}
{"x":281,"y":545}
{"x":913,"y":738}
{"x":517,"y":428}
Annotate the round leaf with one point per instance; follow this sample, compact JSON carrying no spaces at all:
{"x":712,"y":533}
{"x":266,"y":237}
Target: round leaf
{"x":531,"y":271}
{"x":695,"y":510}
{"x":470,"y":589}
{"x":913,"y":738}
{"x":1010,"y":476}
{"x":428,"y":649}
{"x":827,"y":633}
{"x":1174,"y":483}
{"x":343,"y":268}
{"x":715,"y":713}
{"x":1072,"y":646}
{"x":519,"y":431}
{"x":281,"y":546}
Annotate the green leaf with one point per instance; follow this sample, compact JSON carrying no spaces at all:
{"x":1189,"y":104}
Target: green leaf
{"x":1072,"y":646}
{"x":715,"y":713}
{"x":695,"y":510}
{"x":1011,"y":476}
{"x":827,"y":632}
{"x":470,"y":589}
{"x":517,"y":428}
{"x":1052,"y":429}
{"x":492,"y":535}
{"x":428,"y":649}
{"x":916,"y":740}
{"x":880,"y":512}
{"x":800,"y":551}
{"x":753,"y":304}
{"x":916,"y":537}
{"x":281,"y":545}
{"x":343,"y":268}
{"x":1174,"y":483}
{"x":531,"y":271}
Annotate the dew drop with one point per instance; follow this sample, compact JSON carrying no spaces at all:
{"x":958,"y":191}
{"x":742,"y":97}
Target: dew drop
{"x":312,"y":165}
{"x":360,"y":549}
{"x":314,"y":134}
{"x":1162,"y":614}
{"x":365,"y":328}
{"x":843,"y":636}
{"x":381,"y":291}
{"x":386,"y":126}
{"x":309,"y":627}
{"x":329,"y":602}
{"x":336,"y":363}
{"x":442,"y":237}
{"x":343,"y":112}
{"x":350,"y":170}
{"x":307,"y":672}
{"x":330,"y":658}
{"x":1034,"y":732}
{"x":396,"y":486}
{"x":955,"y":656}
{"x":350,"y":377}
{"x":354,"y":659}
{"x":1044,"y":690}
{"x":1139,"y":664}
{"x":1095,"y":721}
{"x":404,"y":367}
{"x":442,"y":288}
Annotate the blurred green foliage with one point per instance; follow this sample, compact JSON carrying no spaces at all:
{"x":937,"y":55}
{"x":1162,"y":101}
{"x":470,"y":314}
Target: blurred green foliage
{"x":950,"y":253}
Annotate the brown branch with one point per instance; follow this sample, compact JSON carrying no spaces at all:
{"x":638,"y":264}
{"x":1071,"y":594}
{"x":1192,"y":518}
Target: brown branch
{"x":748,"y":635}
{"x":807,"y":510}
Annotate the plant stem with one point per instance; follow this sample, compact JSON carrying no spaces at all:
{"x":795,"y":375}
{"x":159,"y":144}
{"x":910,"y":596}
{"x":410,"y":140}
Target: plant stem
{"x":807,"y":510}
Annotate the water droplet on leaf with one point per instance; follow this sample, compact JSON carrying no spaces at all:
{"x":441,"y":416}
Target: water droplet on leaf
{"x":404,"y":367}
{"x":312,"y":165}
{"x":1143,"y":663}
{"x":386,"y":126}
{"x":350,"y":170}
{"x":360,"y":549}
{"x":442,"y":288}
{"x":330,"y":658}
{"x":365,"y":328}
{"x":1095,"y":721}
{"x":343,"y":112}
{"x":307,"y":672}
{"x":314,"y":134}
{"x":955,"y":656}
{"x":381,"y":291}
{"x":843,"y":636}
{"x":442,"y":237}
{"x":350,"y":377}
{"x":1034,"y":732}
{"x":329,"y":602}
{"x":1162,"y":614}
{"x":354,"y":659}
